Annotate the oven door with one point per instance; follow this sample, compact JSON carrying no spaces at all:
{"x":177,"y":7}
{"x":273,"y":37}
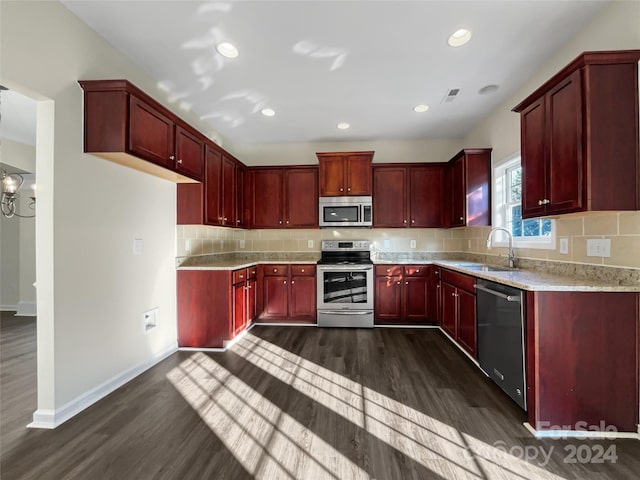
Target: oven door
{"x":345,"y":287}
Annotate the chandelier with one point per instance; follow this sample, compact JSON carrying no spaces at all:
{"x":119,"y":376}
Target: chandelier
{"x":11,"y":183}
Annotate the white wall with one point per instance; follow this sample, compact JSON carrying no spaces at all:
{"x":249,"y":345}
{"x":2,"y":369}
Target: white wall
{"x":92,"y":290}
{"x":386,"y":151}
{"x":617,"y":27}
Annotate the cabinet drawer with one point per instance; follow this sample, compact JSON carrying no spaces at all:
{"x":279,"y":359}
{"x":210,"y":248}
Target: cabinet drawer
{"x":416,"y":270}
{"x":252,"y":272}
{"x":276,"y":270}
{"x":388,"y":270}
{"x":239,"y":275}
{"x":306,"y":270}
{"x":460,"y":280}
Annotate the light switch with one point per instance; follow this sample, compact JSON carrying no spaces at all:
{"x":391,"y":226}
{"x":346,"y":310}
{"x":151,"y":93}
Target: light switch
{"x":242,"y":244}
{"x":598,"y":247}
{"x":564,"y":245}
{"x":187,"y":245}
{"x":387,"y":243}
{"x":137,"y":246}
{"x":412,"y":244}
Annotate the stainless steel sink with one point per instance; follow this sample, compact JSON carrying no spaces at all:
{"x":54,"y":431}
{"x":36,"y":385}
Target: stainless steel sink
{"x":484,"y":267}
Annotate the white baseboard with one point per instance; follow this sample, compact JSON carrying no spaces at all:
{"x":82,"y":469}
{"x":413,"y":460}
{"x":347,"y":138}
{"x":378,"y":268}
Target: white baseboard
{"x":586,"y":434}
{"x":8,"y":308}
{"x":26,"y":309}
{"x":43,"y":418}
{"x":406,"y":325}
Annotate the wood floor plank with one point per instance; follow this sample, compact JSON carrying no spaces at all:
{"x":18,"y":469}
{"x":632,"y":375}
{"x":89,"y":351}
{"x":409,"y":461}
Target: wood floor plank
{"x":291,"y":402}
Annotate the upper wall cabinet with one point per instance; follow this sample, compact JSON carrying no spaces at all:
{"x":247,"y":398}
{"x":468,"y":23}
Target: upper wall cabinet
{"x":284,"y":197}
{"x":125,"y":125}
{"x":468,"y":180}
{"x":345,"y":173}
{"x":579,"y":137}
{"x":408,"y":195}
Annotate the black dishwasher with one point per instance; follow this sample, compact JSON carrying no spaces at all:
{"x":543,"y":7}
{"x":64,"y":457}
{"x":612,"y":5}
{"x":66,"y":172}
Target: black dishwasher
{"x":501,"y":337}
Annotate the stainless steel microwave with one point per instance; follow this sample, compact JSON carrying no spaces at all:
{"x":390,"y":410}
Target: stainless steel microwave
{"x":339,"y":212}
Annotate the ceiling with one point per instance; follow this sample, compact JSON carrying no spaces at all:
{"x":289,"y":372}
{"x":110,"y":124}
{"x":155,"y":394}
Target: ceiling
{"x":319,"y":63}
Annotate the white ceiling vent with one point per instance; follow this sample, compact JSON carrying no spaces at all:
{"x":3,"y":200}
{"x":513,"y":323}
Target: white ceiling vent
{"x":450,"y":96}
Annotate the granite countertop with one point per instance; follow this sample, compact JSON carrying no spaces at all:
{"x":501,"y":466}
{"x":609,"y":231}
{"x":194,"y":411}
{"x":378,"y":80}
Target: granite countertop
{"x":535,"y":276}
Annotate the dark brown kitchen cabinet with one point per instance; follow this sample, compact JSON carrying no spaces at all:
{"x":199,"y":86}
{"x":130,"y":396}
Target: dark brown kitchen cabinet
{"x":408,"y":195}
{"x":458,"y":303}
{"x":213,"y":187}
{"x":125,"y":125}
{"x":223,"y":189}
{"x":214,"y":305}
{"x":469,"y":179}
{"x":579,"y":137}
{"x":228,"y":192}
{"x":288,"y":293}
{"x":284,"y":197}
{"x":345,"y":174}
{"x":401,"y":294}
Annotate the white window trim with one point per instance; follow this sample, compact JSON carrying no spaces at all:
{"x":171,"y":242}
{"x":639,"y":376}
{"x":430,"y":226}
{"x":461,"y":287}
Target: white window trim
{"x":499,"y":211}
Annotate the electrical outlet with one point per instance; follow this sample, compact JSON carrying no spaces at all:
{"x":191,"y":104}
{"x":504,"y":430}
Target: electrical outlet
{"x":564,"y":245}
{"x":412,"y":244}
{"x":150,"y":319}
{"x":309,"y":243}
{"x":187,"y":245}
{"x":387,"y":244}
{"x":598,"y":247}
{"x":242,"y":244}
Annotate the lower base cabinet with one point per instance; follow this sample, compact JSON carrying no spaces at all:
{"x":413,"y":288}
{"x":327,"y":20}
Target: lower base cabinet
{"x":458,"y":308}
{"x":401,"y":294}
{"x":214,"y":305}
{"x":288,"y":293}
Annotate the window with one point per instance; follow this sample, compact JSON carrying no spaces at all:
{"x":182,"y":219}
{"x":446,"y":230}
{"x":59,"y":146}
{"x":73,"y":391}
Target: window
{"x":507,"y":210}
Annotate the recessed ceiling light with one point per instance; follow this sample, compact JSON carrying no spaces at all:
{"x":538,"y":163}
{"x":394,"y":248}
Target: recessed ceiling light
{"x":459,"y":37}
{"x":488,"y":89}
{"x":268,"y":112}
{"x":227,"y":50}
{"x":343,"y":126}
{"x":421,"y":108}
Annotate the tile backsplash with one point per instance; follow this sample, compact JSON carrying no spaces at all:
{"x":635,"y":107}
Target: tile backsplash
{"x":622,"y":228}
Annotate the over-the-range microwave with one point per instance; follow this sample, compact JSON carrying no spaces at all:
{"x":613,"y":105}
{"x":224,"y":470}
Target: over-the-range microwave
{"x":339,"y":212}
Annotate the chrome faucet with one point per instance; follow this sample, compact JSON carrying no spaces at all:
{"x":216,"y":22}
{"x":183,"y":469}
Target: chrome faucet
{"x":512,"y":256}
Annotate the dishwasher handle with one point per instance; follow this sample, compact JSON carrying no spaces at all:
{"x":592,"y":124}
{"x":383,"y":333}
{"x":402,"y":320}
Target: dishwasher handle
{"x":508,"y":298}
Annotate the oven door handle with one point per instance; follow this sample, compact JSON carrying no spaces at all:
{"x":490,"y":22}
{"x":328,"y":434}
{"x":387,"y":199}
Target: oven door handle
{"x":345,"y":312}
{"x":345,"y":267}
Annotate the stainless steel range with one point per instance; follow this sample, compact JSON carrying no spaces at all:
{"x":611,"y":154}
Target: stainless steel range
{"x":345,"y":284}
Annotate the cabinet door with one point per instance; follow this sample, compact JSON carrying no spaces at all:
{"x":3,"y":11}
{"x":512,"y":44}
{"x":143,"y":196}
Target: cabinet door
{"x":228,"y":191}
{"x":426,"y":196}
{"x":458,"y":197}
{"x":414,"y":300}
{"x":189,"y":154}
{"x":390,"y":197}
{"x":534,"y":160}
{"x":449,"y":307}
{"x":302,"y":301}
{"x":388,"y":299}
{"x":151,"y":134}
{"x":213,"y":187}
{"x":239,"y":195}
{"x":467,"y":321}
{"x":301,"y":197}
{"x":267,"y":198}
{"x":358,"y":173}
{"x":239,"y":307}
{"x":565,"y":175}
{"x":275,"y":297}
{"x":252,"y":291}
{"x":332,"y":181}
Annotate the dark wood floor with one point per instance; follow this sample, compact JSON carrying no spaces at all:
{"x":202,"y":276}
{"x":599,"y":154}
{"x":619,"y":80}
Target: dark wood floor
{"x":293,"y":402}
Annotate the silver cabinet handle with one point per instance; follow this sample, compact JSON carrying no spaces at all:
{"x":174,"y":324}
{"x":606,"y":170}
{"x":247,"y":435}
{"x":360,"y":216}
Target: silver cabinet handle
{"x":413,"y":221}
{"x":349,"y":189}
{"x":292,"y":282}
{"x":398,"y":283}
{"x":225,"y":219}
{"x":341,"y":189}
{"x":302,"y":270}
{"x":417,"y":270}
{"x":180,"y":161}
{"x":404,"y":221}
{"x":275,"y":270}
{"x":172,"y":157}
{"x":285,"y":282}
{"x":406,"y":283}
{"x":461,"y":219}
{"x":287,"y":222}
{"x":280,"y":222}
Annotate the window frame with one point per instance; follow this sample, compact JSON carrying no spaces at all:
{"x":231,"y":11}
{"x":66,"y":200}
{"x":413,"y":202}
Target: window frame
{"x":501,"y":207}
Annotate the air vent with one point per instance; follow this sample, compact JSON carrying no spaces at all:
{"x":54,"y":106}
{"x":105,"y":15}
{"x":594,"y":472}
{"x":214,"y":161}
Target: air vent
{"x":450,"y":96}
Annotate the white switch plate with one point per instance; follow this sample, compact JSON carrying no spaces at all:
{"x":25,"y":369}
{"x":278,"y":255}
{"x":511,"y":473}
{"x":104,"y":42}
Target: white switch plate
{"x":187,"y":245}
{"x":412,"y":244}
{"x":598,"y":247}
{"x":309,"y":243}
{"x":137,"y":246}
{"x":387,"y":244}
{"x":242,"y":244}
{"x":564,"y":245}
